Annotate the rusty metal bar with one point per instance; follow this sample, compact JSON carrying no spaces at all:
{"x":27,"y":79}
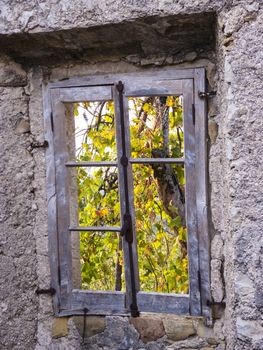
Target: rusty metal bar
{"x":127,"y":229}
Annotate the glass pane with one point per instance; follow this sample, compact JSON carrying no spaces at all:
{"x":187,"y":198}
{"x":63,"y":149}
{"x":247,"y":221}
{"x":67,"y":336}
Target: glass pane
{"x":156,"y":127}
{"x":95,"y":194}
{"x":160,"y":227}
{"x":101,"y":259}
{"x":94,"y":131}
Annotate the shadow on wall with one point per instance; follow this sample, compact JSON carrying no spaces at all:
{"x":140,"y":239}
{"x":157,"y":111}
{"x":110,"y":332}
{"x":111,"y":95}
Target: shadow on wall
{"x":149,"y":36}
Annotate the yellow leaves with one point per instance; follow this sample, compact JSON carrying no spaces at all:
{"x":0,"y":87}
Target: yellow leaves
{"x":102,"y":212}
{"x":159,"y":230}
{"x":170,"y":101}
{"x":146,"y":107}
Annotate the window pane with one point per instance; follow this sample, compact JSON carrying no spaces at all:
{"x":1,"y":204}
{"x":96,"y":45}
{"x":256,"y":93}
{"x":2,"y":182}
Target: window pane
{"x":101,"y":260}
{"x":94,"y":196}
{"x":160,"y":227}
{"x":94,"y":131}
{"x":156,"y":127}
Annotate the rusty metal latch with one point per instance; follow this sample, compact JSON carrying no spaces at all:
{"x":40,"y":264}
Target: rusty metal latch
{"x":50,"y":291}
{"x":126,"y":229}
{"x":204,"y":94}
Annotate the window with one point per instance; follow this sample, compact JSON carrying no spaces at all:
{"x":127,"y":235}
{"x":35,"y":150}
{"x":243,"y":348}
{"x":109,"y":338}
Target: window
{"x":132,"y":196}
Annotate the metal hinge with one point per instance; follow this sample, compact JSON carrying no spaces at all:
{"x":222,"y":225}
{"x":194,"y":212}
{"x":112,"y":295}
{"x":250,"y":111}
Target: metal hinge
{"x":217,"y":308}
{"x":204,"y":94}
{"x":50,"y":291}
{"x":38,"y":144}
{"x":193,"y":113}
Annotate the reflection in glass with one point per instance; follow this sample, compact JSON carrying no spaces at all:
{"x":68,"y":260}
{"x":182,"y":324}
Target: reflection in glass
{"x":94,"y":131}
{"x":101,"y":259}
{"x":160,"y":227}
{"x":156,"y":127}
{"x":98,"y":196}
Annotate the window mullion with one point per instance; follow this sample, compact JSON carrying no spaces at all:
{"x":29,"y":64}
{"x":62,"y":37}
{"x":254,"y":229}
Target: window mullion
{"x":126,"y":198}
{"x":62,"y":196}
{"x":190,"y":189}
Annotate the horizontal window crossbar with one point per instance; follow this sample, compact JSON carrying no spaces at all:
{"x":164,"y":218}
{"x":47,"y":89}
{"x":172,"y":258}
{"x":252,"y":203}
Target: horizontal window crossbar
{"x":95,"y":228}
{"x":90,"y":164}
{"x":156,"y":160}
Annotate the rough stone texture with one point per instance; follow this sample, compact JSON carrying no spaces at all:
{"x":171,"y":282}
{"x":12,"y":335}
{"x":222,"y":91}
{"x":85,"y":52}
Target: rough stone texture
{"x":94,"y":325}
{"x":242,"y":127}
{"x":119,"y":334}
{"x":177,"y":329}
{"x":11,"y":73}
{"x":18,"y":301}
{"x":149,"y":328}
{"x":212,"y":130}
{"x":18,"y":16}
{"x":74,"y":39}
{"x":136,"y":40}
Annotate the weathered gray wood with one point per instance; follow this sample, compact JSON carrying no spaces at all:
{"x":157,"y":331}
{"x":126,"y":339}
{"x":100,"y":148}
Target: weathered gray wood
{"x":156,"y":160}
{"x":163,"y":303}
{"x":62,"y":191}
{"x":98,"y":301}
{"x":202,"y":192}
{"x":190,"y":195}
{"x":94,"y":228}
{"x":104,"y":79}
{"x":196,"y":182}
{"x":81,"y":94}
{"x":91,"y":164}
{"x":153,"y":88}
{"x":51,"y":199}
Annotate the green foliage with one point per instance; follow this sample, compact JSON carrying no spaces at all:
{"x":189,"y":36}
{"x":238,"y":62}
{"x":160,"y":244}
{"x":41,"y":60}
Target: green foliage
{"x":160,"y":235}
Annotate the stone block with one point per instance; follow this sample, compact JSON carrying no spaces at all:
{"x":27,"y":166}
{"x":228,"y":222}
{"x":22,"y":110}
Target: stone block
{"x":217,"y":286}
{"x":217,"y":247}
{"x":11,"y":73}
{"x":60,"y":327}
{"x":149,"y":328}
{"x":178,"y":329}
{"x":22,"y":126}
{"x":190,"y":56}
{"x":206,"y":333}
{"x":249,"y":328}
{"x":212,"y":130}
{"x":94,"y":325}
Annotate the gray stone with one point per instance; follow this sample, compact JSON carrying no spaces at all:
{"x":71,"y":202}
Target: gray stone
{"x":11,"y":73}
{"x":191,"y":56}
{"x":94,"y":325}
{"x":250,"y":329}
{"x":22,"y":126}
{"x":217,"y":287}
{"x":244,"y":286}
{"x":206,"y":333}
{"x":100,"y":37}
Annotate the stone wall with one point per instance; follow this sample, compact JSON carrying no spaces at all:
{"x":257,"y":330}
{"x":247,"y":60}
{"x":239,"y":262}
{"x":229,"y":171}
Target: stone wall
{"x":18,"y":301}
{"x":233,"y":57}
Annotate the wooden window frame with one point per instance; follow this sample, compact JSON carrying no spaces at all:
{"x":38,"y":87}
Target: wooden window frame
{"x":185,"y":82}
